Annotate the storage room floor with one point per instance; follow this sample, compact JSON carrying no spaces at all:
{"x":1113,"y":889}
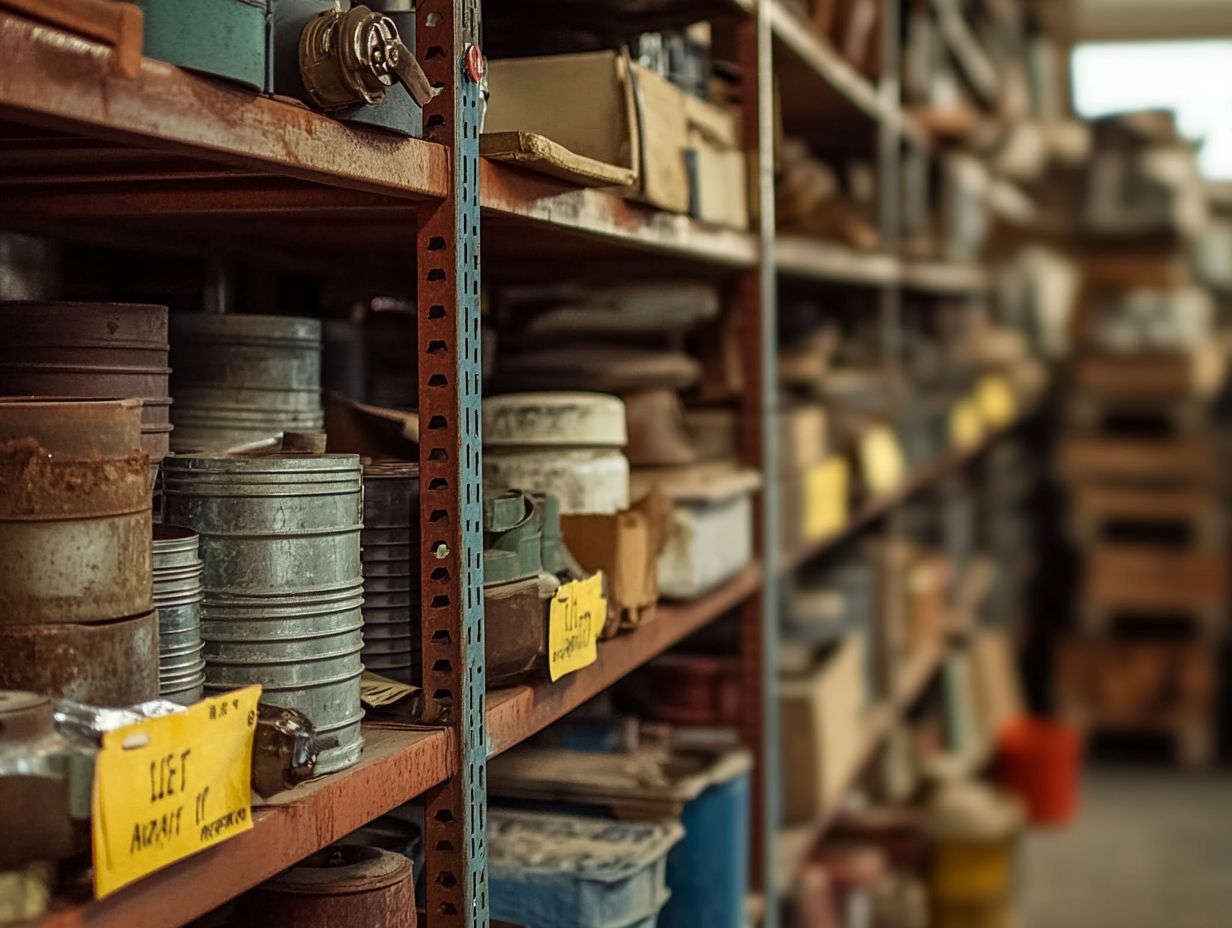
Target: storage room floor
{"x":1149,"y":849}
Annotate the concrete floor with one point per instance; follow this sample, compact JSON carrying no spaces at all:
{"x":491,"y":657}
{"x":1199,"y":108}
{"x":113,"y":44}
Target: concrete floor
{"x":1149,"y":849}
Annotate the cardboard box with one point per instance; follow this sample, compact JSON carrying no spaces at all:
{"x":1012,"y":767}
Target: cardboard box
{"x":717,"y":167}
{"x":625,"y":546}
{"x":823,"y":714}
{"x":612,"y":122}
{"x":590,"y":133}
{"x":802,"y":437}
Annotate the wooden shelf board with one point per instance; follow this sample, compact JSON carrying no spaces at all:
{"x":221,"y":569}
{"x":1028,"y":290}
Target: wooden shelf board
{"x":534,"y":214}
{"x":517,"y":712}
{"x":59,"y":81}
{"x":945,"y":277}
{"x":397,"y":765}
{"x":815,"y":259}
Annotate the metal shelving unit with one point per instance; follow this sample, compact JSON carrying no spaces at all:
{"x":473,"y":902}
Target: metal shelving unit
{"x":170,"y":152}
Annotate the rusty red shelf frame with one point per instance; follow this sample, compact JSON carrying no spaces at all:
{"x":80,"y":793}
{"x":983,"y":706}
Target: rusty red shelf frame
{"x":517,"y":712}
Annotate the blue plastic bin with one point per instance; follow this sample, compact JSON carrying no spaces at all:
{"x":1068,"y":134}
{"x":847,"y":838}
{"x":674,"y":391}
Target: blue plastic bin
{"x":572,"y":871}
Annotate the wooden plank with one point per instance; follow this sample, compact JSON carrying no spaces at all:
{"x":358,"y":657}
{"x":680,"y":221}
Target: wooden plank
{"x":1171,"y":461}
{"x":397,"y":765}
{"x":516,"y":713}
{"x":59,"y":81}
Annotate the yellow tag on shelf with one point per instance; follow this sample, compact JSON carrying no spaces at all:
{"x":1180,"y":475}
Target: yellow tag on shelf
{"x":996,"y":401}
{"x":168,"y":787}
{"x":578,"y":611}
{"x":825,"y":497}
{"x":966,"y":426}
{"x":881,"y":459}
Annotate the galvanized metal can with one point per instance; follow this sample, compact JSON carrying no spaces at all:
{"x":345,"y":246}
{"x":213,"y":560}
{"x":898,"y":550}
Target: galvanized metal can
{"x":104,"y":663}
{"x":74,"y":512}
{"x":91,"y":350}
{"x":177,"y":597}
{"x":341,"y":885}
{"x":279,"y":539}
{"x":239,"y":378}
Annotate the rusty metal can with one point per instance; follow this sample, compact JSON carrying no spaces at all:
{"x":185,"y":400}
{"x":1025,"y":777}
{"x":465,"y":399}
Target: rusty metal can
{"x":75,"y":520}
{"x":240,"y":378}
{"x":91,"y":350}
{"x":338,"y":887}
{"x":103,"y":664}
{"x":177,"y":597}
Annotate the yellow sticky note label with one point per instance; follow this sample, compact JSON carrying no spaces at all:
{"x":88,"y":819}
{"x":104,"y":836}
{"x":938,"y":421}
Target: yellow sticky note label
{"x":825,"y":497}
{"x":996,"y":401}
{"x":168,"y":787}
{"x":966,"y":426}
{"x":881,"y":459}
{"x":577,"y":614}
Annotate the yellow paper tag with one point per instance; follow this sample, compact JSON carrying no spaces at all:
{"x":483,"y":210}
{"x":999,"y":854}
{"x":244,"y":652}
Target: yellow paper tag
{"x":574,"y":622}
{"x":966,"y":426}
{"x":825,"y":497}
{"x":996,"y":401}
{"x":168,"y":787}
{"x":881,"y":459}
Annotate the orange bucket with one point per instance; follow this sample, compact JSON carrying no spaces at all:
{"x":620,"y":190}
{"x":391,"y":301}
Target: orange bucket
{"x":1040,"y":762}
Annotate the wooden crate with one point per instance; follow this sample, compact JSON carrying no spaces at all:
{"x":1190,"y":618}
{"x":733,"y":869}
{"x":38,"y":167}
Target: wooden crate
{"x":1139,"y":580}
{"x":1099,"y":513}
{"x":1149,"y":376}
{"x":1173,"y":461}
{"x":1142,"y":687}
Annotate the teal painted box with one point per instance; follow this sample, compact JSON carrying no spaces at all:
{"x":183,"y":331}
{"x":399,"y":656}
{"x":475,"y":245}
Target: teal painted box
{"x":225,"y":38}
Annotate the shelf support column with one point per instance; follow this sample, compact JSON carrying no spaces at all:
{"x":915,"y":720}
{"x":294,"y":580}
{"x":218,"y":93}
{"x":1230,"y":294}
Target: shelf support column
{"x":451,"y":503}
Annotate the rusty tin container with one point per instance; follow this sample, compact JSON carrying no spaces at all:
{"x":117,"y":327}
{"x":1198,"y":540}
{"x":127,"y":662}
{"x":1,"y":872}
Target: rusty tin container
{"x":75,"y":520}
{"x":336,"y":887}
{"x":103,"y":664}
{"x":177,"y":596}
{"x":91,"y":350}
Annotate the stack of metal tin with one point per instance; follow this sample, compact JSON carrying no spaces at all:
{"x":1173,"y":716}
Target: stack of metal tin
{"x":391,"y":570}
{"x":91,"y":350}
{"x":240,"y":379}
{"x":282,"y":581}
{"x":77,"y":616}
{"x":177,"y":597}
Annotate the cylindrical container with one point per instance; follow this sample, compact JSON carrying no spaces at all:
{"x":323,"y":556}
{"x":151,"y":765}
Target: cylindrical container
{"x":103,"y":663}
{"x":1041,"y":762}
{"x":391,"y":569}
{"x":95,"y":350}
{"x":177,"y":597}
{"x":74,"y":512}
{"x":279,"y":538}
{"x":240,"y":378}
{"x":338,"y":887}
{"x":567,"y":445}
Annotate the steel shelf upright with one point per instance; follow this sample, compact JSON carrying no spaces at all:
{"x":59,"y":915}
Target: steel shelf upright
{"x":450,"y":450}
{"x":756,"y":291}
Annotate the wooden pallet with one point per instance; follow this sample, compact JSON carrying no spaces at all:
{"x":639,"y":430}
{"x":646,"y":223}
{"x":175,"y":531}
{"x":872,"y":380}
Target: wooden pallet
{"x":1146,"y":581}
{"x":1142,"y":688}
{"x":1098,"y":513}
{"x":1190,"y":460}
{"x":1147,"y":377}
{"x":1152,"y":417}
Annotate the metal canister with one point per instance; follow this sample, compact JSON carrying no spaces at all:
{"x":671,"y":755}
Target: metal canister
{"x":177,"y":597}
{"x":279,"y":539}
{"x":341,"y":885}
{"x":103,"y":664}
{"x":74,"y":512}
{"x":91,"y":350}
{"x":241,"y":378}
{"x":391,"y":570}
